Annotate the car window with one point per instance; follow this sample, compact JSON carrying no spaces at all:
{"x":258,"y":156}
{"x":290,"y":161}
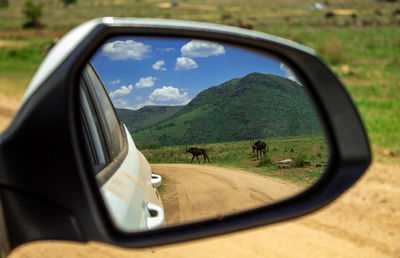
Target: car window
{"x":113,"y":129}
{"x":92,"y":130}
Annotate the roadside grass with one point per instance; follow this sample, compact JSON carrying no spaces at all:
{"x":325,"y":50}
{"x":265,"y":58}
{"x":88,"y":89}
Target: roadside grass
{"x":239,"y":155}
{"x":364,"y":52}
{"x":367,"y":62}
{"x":259,"y":12}
{"x":19,"y":59}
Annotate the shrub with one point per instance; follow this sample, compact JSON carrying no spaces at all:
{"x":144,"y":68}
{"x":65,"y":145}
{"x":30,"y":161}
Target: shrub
{"x":68,"y":2}
{"x":3,"y":3}
{"x":319,"y":153}
{"x":265,"y":161}
{"x":332,"y":51}
{"x":33,"y":14}
{"x":153,"y":147}
{"x":299,"y":160}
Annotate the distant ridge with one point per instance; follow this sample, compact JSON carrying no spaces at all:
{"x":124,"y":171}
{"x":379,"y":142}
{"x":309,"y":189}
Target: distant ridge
{"x":146,"y":116}
{"x":255,"y":106}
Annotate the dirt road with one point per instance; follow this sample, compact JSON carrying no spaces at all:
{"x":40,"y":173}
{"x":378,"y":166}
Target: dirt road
{"x":194,"y":192}
{"x":7,"y":110}
{"x":364,"y":222}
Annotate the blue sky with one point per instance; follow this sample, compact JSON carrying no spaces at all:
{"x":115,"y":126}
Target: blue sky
{"x":140,"y":71}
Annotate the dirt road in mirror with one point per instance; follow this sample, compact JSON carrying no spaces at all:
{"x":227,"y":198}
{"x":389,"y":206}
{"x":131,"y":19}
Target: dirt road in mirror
{"x":195,"y":192}
{"x":364,"y":222}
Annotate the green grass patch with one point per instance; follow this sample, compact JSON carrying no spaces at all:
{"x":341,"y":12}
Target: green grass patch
{"x":19,"y":59}
{"x":266,"y":160}
{"x":367,"y":60}
{"x":239,"y":155}
{"x":369,"y":46}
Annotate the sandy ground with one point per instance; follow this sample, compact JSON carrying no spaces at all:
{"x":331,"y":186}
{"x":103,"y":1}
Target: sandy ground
{"x":195,"y":192}
{"x":364,"y":222}
{"x":7,"y":110}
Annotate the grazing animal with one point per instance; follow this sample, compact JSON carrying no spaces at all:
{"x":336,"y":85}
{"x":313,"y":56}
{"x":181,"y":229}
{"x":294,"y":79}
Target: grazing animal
{"x":329,"y":15}
{"x":259,"y":146}
{"x":226,"y":16}
{"x":378,"y":12}
{"x":196,"y":152}
{"x":245,"y":25}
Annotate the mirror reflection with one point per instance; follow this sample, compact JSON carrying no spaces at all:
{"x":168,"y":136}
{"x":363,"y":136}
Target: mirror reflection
{"x":180,"y":130}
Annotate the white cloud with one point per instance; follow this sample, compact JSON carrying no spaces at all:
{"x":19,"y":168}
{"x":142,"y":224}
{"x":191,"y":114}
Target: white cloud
{"x":200,"y":48}
{"x":117,"y":81}
{"x":146,"y":82}
{"x":120,"y":103}
{"x":168,"y":95}
{"x":168,"y":49}
{"x":124,"y":50}
{"x":185,"y":63}
{"x":159,"y":66}
{"x":289,"y":73}
{"x":118,"y":93}
{"x":139,"y":106}
{"x":139,"y":98}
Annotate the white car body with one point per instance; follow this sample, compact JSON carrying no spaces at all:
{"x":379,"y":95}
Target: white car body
{"x":124,"y":176}
{"x":132,"y":186}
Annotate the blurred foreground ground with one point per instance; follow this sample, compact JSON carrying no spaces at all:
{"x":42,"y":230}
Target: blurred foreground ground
{"x":364,"y":222}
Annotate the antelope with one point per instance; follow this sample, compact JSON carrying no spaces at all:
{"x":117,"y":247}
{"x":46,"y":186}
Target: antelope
{"x":259,"y":146}
{"x":196,"y":152}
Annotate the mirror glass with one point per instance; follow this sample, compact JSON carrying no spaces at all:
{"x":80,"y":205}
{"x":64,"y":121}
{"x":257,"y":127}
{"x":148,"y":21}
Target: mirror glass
{"x":180,"y":130}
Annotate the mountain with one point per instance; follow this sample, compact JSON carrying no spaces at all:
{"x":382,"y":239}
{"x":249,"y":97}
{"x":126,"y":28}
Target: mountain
{"x":147,"y":116}
{"x":256,"y":106}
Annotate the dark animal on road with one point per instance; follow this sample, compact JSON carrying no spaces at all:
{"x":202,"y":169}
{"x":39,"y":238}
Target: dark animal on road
{"x":196,"y":152}
{"x":226,"y":16}
{"x":259,"y":146}
{"x":329,"y":15}
{"x":245,"y":25}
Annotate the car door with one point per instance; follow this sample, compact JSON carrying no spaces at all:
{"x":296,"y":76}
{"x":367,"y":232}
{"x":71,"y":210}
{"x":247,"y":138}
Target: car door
{"x":122,"y":172}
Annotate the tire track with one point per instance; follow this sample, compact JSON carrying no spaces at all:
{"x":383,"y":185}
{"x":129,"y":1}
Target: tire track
{"x":349,"y":227}
{"x":361,"y":241}
{"x":6,"y":112}
{"x":196,"y":192}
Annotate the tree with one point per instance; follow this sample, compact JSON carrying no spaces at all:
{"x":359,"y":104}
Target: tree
{"x":68,"y":2}
{"x":33,"y":14}
{"x":3,"y":3}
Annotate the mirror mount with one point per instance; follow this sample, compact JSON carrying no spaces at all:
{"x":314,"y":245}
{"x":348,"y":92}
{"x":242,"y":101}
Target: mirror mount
{"x":62,"y":185}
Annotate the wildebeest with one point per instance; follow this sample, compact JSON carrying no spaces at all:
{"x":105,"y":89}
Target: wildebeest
{"x":259,"y":146}
{"x":196,"y":152}
{"x":329,"y":15}
{"x":245,"y":25}
{"x":226,"y":16}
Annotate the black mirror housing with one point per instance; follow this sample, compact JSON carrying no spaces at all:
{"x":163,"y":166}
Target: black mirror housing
{"x":47,"y":192}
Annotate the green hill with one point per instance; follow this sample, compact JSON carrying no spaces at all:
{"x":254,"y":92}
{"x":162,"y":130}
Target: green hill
{"x":252,"y":107}
{"x":146,"y":116}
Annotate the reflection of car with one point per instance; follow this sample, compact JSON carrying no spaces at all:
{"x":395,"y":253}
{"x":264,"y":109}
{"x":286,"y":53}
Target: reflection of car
{"x":129,"y":183}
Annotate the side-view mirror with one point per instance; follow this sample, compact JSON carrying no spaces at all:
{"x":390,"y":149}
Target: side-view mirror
{"x":142,"y":132}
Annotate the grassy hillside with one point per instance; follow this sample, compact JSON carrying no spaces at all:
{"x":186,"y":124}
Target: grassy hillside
{"x":252,"y":107}
{"x":311,"y":148}
{"x":259,"y":12}
{"x":145,"y":117}
{"x":363,"y":51}
{"x":19,"y":58}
